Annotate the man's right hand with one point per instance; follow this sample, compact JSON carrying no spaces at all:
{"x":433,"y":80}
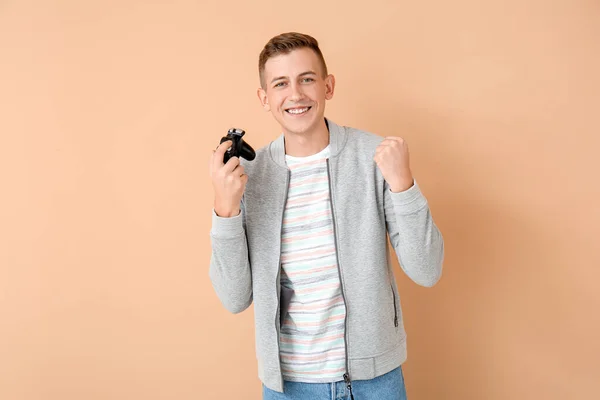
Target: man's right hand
{"x":229,"y":182}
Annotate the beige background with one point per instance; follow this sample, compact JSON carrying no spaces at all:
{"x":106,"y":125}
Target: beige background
{"x":109,"y":110}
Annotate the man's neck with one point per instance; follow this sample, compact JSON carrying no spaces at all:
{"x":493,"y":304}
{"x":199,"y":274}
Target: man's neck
{"x":307,"y":143}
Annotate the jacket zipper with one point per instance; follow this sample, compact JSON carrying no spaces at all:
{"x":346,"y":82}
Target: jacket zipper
{"x":278,"y":283}
{"x":347,"y":374}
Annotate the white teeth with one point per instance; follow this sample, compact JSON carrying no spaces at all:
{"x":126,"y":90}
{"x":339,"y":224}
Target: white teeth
{"x":297,"y":110}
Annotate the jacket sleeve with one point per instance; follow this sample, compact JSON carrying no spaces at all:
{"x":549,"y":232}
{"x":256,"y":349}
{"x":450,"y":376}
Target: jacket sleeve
{"x":229,"y":270}
{"x":417,"y":241}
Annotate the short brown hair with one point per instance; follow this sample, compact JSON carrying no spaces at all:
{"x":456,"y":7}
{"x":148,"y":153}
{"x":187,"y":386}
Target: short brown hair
{"x":284,"y":44}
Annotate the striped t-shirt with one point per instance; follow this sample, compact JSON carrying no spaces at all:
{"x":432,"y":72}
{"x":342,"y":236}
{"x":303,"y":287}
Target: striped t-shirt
{"x":312,"y":335}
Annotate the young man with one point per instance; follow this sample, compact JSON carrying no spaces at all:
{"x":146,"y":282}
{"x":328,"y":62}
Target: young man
{"x":302,"y":230}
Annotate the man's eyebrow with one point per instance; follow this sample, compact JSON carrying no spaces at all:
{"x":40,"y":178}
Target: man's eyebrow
{"x":278,"y":78}
{"x":285,"y":77}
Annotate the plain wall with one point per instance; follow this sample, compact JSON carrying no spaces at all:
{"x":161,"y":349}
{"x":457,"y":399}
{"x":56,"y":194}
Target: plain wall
{"x":109,"y":111}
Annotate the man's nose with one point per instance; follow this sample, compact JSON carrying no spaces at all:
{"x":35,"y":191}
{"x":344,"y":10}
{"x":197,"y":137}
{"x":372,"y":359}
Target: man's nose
{"x":297,"y":93}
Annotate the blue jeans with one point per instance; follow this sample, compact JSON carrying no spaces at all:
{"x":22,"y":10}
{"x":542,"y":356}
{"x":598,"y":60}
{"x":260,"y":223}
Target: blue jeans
{"x":389,"y":386}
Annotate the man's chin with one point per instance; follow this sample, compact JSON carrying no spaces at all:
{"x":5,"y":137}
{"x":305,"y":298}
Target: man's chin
{"x":297,"y":130}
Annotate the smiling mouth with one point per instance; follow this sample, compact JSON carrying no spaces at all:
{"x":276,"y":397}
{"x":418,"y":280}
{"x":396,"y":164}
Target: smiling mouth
{"x":298,"y":110}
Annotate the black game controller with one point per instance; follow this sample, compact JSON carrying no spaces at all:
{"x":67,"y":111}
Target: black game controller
{"x":238,"y":148}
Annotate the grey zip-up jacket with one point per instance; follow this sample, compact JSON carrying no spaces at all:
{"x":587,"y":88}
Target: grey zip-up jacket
{"x":245,"y":262}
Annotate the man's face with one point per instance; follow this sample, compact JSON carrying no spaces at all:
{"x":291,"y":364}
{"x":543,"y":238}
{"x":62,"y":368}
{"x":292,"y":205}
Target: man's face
{"x":295,"y":90}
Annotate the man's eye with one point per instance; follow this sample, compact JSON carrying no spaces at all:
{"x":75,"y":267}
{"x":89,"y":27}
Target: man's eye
{"x":279,"y":84}
{"x":308,"y":79}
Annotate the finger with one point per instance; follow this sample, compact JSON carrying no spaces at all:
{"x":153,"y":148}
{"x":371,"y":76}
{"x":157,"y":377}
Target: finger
{"x":392,"y":141}
{"x":219,"y":153}
{"x":238,"y":171}
{"x":394,"y":138}
{"x":225,"y":145}
{"x":212,"y":165}
{"x":395,"y":141}
{"x":384,"y":145}
{"x":389,"y":142}
{"x":231,"y":164}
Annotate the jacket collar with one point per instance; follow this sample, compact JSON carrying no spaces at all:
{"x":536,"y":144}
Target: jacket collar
{"x":337,"y":139}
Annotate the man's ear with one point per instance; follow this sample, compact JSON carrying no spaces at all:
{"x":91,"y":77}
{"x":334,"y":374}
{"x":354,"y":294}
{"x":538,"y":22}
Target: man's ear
{"x":264,"y":101}
{"x":329,"y":86}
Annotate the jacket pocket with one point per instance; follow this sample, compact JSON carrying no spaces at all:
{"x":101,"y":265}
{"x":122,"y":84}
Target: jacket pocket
{"x":286,"y":297}
{"x":395,"y":305}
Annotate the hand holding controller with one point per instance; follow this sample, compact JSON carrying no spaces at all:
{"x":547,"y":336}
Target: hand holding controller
{"x":239,"y":148}
{"x":227,"y":174}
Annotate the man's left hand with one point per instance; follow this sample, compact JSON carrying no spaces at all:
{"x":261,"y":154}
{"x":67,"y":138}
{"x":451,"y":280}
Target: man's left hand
{"x":392,"y":159}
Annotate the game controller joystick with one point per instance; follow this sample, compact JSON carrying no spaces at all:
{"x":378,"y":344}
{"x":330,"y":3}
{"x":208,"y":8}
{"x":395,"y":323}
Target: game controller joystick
{"x":238,"y":148}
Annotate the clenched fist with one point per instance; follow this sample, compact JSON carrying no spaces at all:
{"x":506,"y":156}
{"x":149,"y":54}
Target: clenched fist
{"x":392,"y":159}
{"x":229,"y":182}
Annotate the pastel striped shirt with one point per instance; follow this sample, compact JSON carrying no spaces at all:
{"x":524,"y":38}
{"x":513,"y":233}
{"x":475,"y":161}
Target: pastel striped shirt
{"x":312,"y":335}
